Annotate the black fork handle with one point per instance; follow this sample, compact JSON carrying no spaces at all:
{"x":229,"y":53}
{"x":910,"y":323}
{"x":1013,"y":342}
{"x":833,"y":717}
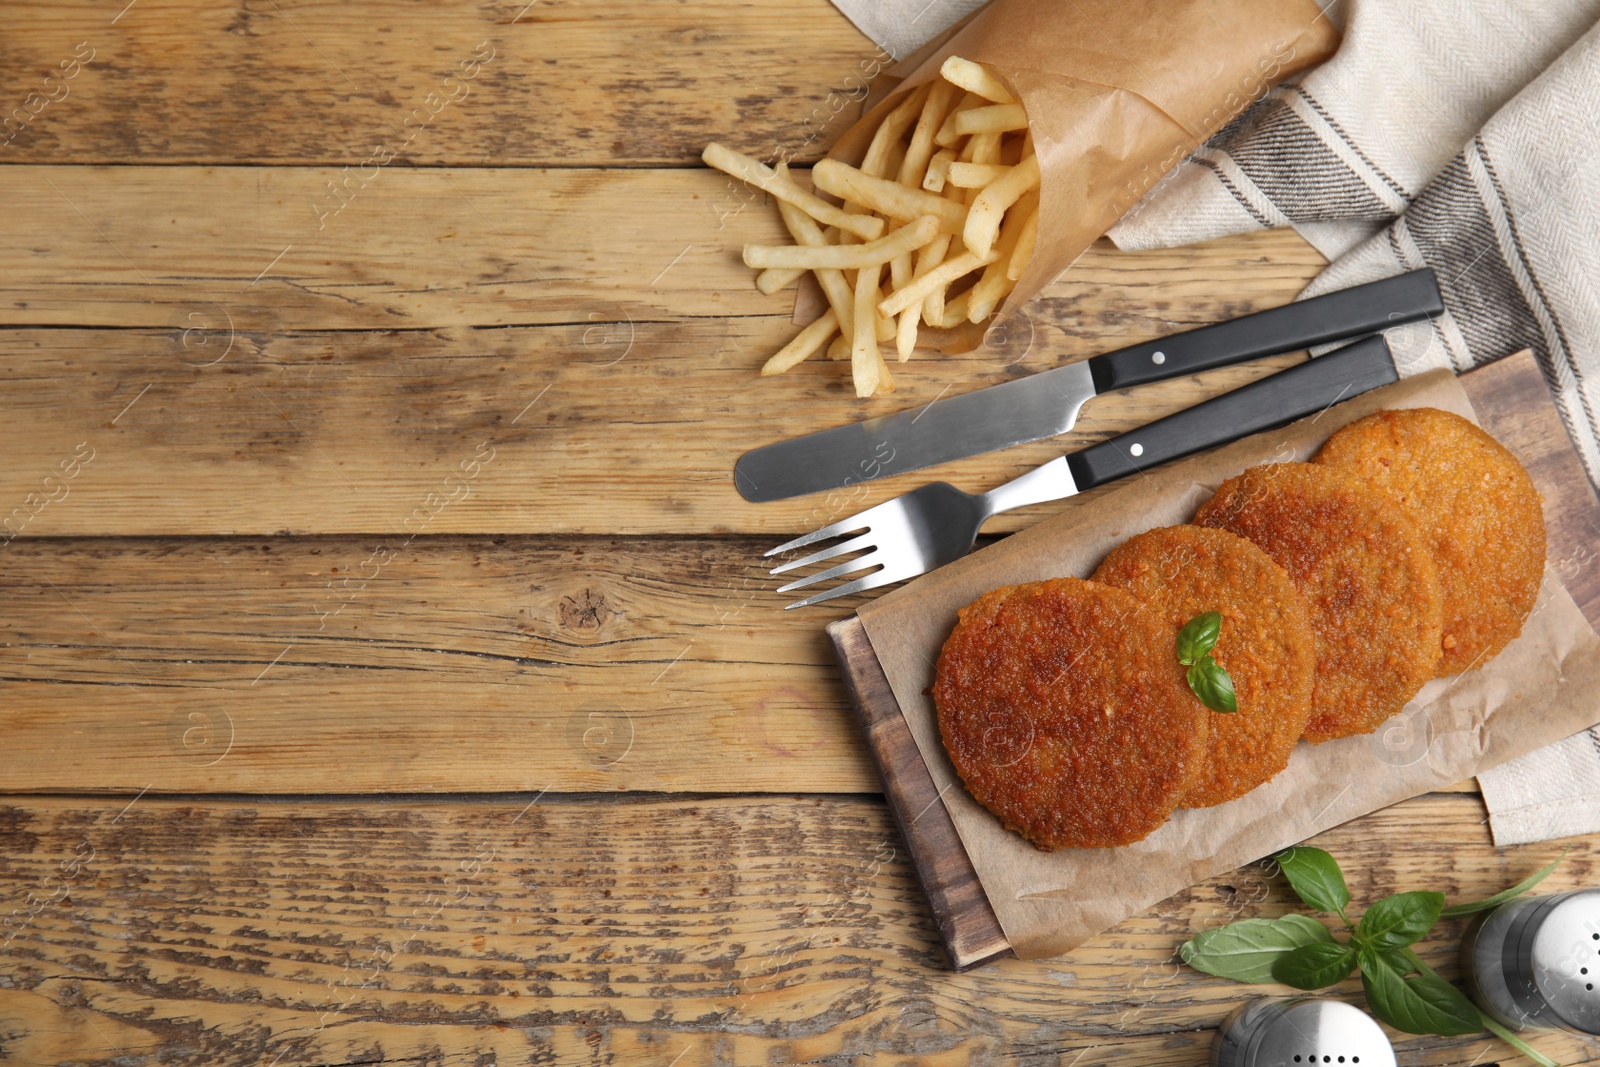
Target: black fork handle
{"x":1273,"y":401}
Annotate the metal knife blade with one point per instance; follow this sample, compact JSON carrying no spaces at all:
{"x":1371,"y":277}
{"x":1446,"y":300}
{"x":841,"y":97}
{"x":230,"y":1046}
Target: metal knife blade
{"x":1040,"y":405}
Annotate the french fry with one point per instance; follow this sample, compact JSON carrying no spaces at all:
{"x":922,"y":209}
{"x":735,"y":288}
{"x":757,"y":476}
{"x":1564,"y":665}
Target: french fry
{"x":947,"y":136}
{"x":974,"y":175}
{"x":771,"y":280}
{"x":807,"y":341}
{"x":891,"y":130}
{"x":943,"y":274}
{"x":897,"y":156}
{"x":905,"y":340}
{"x":985,"y":149}
{"x":915,"y":164}
{"x":911,"y":236}
{"x":866,"y":361}
{"x":837,"y":285}
{"x":997,"y":282}
{"x":974,"y":79}
{"x":900,"y":270}
{"x":885,"y":327}
{"x":1025,"y":243}
{"x":804,"y":229}
{"x":758,"y":174}
{"x":992,"y":288}
{"x":955,"y":312}
{"x":886,"y":197}
{"x":885,"y":379}
{"x":938,"y":170}
{"x":928,"y":258}
{"x":996,"y":118}
{"x":839,"y":350}
{"x":983,"y":219}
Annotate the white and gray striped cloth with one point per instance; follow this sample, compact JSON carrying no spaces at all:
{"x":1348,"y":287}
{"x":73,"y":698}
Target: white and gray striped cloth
{"x":1458,"y":134}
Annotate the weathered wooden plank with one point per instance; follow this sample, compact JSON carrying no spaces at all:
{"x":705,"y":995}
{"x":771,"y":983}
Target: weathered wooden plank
{"x":738,"y":930}
{"x":455,"y":664}
{"x":626,"y":418}
{"x":511,"y":431}
{"x":265,"y":249}
{"x":452,"y":83}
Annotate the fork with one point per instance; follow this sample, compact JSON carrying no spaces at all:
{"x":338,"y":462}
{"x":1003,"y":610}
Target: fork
{"x":938,"y":523}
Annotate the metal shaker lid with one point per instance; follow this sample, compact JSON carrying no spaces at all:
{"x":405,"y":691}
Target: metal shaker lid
{"x":1299,"y":1033}
{"x":1565,"y":960}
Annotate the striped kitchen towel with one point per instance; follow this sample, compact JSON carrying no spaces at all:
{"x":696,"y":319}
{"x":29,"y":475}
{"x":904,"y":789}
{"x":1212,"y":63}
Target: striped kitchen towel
{"x":1446,"y":134}
{"x":1344,"y":150}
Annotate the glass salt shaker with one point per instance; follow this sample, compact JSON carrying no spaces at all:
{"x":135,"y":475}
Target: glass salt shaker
{"x":1299,"y":1033}
{"x":1534,"y":963}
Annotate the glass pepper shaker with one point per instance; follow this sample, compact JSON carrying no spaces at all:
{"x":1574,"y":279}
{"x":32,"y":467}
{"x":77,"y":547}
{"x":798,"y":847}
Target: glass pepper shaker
{"x":1299,"y":1033}
{"x":1534,"y":964}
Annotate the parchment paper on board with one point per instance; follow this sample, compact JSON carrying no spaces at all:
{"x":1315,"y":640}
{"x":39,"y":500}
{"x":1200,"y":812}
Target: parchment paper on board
{"x":1536,"y":691}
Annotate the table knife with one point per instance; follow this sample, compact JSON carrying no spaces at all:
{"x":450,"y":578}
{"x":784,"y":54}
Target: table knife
{"x":1046,"y":404}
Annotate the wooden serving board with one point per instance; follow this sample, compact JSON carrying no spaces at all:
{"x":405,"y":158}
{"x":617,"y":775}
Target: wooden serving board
{"x":1512,"y":402}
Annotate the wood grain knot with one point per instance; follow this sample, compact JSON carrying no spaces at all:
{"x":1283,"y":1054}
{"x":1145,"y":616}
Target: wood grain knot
{"x":587,"y":612}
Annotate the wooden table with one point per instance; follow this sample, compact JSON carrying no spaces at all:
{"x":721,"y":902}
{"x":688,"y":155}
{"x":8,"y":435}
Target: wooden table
{"x":389,"y":674}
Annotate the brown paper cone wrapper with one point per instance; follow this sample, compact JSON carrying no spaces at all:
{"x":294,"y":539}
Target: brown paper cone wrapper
{"x":1117,"y":93}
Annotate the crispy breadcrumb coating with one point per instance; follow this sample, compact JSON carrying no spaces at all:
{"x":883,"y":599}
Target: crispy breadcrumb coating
{"x":1476,"y":506}
{"x":1266,"y":644}
{"x":1368,"y":576}
{"x":1065,"y":711}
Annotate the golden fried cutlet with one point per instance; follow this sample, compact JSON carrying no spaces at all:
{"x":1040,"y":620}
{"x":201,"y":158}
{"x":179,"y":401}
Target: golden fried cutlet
{"x":1476,"y":506}
{"x":1266,"y":644}
{"x":1065,"y":711}
{"x":1367,"y":573}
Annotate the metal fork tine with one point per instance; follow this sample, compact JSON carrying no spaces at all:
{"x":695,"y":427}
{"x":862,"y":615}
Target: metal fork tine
{"x":843,"y":526}
{"x":870,"y":581}
{"x":854,"y":544}
{"x":870,"y":560}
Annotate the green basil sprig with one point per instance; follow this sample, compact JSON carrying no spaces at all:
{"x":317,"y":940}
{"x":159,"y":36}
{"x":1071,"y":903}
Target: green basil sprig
{"x":1247,"y":950}
{"x":1208,"y":679}
{"x":1298,"y":951}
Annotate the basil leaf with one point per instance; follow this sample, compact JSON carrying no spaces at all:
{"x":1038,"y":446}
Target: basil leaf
{"x":1211,"y":682}
{"x":1246,"y":950}
{"x":1424,"y":1004}
{"x":1315,"y":877}
{"x":1198,"y":636}
{"x":1314,"y":966}
{"x":1455,"y":911}
{"x":1402,"y":960}
{"x":1397,"y":921}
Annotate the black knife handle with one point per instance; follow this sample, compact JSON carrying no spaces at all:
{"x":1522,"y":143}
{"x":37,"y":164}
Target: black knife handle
{"x":1302,"y":390}
{"x":1330,"y":317}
